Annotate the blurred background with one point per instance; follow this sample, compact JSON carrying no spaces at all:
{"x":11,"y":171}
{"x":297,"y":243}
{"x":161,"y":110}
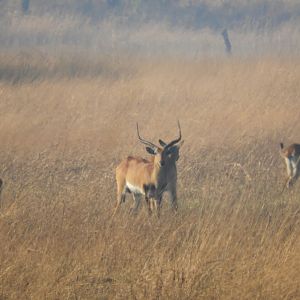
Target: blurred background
{"x":192,"y":28}
{"x":76,"y":76}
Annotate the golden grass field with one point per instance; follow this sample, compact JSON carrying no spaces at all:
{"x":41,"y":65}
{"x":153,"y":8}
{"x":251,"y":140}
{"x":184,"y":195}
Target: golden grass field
{"x":66,"y":122}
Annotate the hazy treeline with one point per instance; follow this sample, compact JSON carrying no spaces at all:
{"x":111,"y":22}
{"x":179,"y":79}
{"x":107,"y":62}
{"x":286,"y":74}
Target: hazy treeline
{"x":159,"y":27}
{"x":197,"y":14}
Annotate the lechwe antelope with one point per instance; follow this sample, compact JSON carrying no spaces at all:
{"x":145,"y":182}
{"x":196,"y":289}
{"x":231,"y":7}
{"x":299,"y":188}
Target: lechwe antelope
{"x":291,"y":155}
{"x":150,"y":178}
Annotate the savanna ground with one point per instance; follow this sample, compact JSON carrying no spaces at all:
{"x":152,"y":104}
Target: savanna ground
{"x":67,"y":121}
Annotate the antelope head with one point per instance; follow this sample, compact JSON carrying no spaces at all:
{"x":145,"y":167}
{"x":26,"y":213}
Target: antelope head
{"x":173,"y":147}
{"x":165,"y":153}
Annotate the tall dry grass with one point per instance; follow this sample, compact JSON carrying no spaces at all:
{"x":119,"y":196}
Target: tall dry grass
{"x":62,"y":134}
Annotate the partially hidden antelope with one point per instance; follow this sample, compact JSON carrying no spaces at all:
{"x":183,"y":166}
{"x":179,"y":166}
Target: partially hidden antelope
{"x":291,"y":155}
{"x":150,"y":178}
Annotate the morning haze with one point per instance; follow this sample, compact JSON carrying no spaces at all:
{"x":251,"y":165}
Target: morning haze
{"x":76,"y":77}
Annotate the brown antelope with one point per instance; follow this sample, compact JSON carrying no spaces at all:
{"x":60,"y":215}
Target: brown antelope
{"x":291,"y":155}
{"x":150,"y":178}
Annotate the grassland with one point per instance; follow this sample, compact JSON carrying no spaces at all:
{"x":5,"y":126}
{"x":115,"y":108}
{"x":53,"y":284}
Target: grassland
{"x":66,"y":122}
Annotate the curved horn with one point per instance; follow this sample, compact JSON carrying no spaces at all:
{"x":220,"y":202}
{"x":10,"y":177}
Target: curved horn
{"x":177,"y":140}
{"x":143,"y":140}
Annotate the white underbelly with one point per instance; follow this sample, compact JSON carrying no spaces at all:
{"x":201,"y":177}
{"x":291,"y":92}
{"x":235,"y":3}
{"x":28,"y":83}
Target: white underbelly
{"x":134,"y":189}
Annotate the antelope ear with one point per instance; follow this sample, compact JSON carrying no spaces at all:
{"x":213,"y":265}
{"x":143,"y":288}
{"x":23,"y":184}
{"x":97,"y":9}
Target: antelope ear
{"x":162,"y":143}
{"x":151,"y":151}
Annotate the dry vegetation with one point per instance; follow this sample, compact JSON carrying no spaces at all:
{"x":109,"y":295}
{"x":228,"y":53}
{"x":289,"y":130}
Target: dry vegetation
{"x":65,"y":124}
